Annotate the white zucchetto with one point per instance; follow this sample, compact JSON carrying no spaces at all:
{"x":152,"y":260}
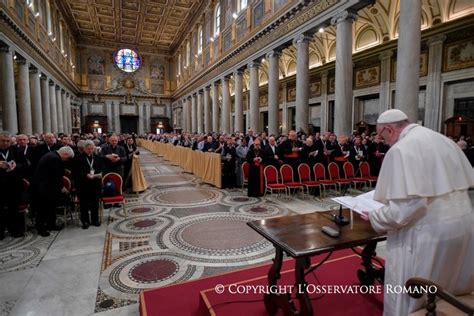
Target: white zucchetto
{"x":392,"y":116}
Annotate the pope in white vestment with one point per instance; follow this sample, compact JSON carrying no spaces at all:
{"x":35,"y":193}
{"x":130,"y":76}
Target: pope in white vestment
{"x":428,"y":216}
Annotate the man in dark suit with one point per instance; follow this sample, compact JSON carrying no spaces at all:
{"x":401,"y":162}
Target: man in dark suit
{"x":113,"y":156}
{"x":49,"y":144}
{"x":324,"y":148}
{"x":309,"y":152}
{"x":272,"y":153}
{"x":10,"y":188}
{"x":255,"y":159}
{"x":229,"y":158}
{"x":291,"y":149}
{"x":24,"y":156}
{"x":47,"y":187}
{"x":357,"y":153}
{"x":88,"y":176}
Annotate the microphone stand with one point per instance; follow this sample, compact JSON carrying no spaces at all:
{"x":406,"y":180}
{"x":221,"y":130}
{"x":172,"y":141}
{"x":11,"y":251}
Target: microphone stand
{"x":340,"y":219}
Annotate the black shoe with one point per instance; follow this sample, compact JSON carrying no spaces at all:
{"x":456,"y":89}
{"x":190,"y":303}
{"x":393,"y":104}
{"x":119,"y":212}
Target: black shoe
{"x":97,"y":224}
{"x":44,"y":233}
{"x":56,"y":227}
{"x":85,"y":226}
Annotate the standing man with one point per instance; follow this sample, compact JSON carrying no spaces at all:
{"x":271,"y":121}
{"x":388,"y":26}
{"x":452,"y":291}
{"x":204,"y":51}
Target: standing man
{"x":24,"y":155}
{"x":428,"y":217}
{"x":113,"y":156}
{"x":88,"y":176}
{"x":47,"y":187}
{"x":10,"y":188}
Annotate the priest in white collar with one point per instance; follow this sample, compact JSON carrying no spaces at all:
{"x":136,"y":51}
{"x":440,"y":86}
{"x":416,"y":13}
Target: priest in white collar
{"x":423,"y":182}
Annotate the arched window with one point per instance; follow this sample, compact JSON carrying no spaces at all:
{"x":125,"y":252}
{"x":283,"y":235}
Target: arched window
{"x":241,"y":4}
{"x":188,"y":54}
{"x":217,"y":19}
{"x":199,"y":39}
{"x":127,"y":60}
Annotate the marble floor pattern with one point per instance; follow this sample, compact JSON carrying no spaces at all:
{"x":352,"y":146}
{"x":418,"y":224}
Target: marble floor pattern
{"x":179,"y":229}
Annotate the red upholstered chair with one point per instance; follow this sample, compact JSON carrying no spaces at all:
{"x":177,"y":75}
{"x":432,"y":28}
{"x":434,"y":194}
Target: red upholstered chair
{"x":349,"y":174}
{"x":288,"y":179}
{"x":270,"y":174}
{"x":304,"y":173}
{"x":365,"y":173}
{"x":245,"y":173}
{"x":320,"y":176}
{"x":333,"y":169}
{"x":118,"y":198}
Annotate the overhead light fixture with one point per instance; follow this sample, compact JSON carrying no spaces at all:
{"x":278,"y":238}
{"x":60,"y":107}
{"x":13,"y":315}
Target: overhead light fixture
{"x":321,"y":30}
{"x":196,"y":55}
{"x":14,"y":57}
{"x":73,"y":67}
{"x":50,"y":33}
{"x":65,"y":55}
{"x":234,"y":15}
{"x":30,"y":5}
{"x":54,"y":39}
{"x":263,"y":60}
{"x":37,"y":14}
{"x":39,"y":75}
{"x":212,"y":39}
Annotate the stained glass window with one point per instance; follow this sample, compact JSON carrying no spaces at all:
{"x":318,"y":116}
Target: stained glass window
{"x":127,"y":60}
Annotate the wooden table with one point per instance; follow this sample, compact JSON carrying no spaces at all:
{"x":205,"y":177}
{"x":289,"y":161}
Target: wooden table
{"x":300,"y":237}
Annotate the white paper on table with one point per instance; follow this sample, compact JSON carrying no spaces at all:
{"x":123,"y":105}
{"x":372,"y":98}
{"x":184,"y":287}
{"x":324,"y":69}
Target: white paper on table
{"x":360,"y":203}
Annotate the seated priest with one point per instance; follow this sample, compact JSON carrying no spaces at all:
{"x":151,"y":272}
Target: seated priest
{"x":291,"y":149}
{"x":428,"y":217}
{"x":309,"y":152}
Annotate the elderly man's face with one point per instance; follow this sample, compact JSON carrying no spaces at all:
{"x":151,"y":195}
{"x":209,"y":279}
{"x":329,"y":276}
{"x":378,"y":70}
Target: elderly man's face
{"x":292,"y":135}
{"x":89,"y":150}
{"x":113,"y":141}
{"x":309,"y":141}
{"x":22,"y":140}
{"x":272,"y":141}
{"x":49,"y":139}
{"x":387,"y":133}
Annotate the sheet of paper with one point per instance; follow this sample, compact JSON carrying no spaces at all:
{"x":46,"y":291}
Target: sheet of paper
{"x":363,"y":202}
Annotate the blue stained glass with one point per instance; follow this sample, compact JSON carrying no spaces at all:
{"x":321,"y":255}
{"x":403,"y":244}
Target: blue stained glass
{"x":127,"y":60}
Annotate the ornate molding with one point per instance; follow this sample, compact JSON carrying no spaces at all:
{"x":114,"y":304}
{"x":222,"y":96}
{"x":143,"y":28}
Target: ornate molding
{"x":302,"y":38}
{"x":254,"y":64}
{"x":273,"y":54}
{"x":386,"y":55}
{"x":436,"y":40}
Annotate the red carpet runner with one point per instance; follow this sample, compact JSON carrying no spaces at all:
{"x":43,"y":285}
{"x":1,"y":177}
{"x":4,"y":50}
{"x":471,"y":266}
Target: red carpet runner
{"x":199,"y":297}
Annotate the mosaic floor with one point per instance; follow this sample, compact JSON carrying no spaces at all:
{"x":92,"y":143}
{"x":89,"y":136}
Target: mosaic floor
{"x":179,"y":229}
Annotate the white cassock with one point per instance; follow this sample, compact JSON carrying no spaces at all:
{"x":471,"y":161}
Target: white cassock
{"x":428,"y":217}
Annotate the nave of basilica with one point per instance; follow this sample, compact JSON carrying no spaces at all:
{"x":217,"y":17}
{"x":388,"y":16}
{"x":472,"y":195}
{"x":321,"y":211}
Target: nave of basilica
{"x":236,"y":157}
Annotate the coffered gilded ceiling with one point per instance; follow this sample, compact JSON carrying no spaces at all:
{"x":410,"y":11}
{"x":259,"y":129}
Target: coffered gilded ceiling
{"x":150,"y":24}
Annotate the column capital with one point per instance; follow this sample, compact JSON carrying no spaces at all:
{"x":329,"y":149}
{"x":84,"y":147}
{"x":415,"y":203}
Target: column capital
{"x":324,"y":73}
{"x":5,"y":49}
{"x":207,"y":88}
{"x":58,"y":88}
{"x":21,"y":61}
{"x":253,"y":64}
{"x":200,"y":92}
{"x":436,"y":40}
{"x":189,"y":97}
{"x":43,"y":77}
{"x":273,"y":54}
{"x":385,"y":55}
{"x":225,"y":79}
{"x":302,"y":38}
{"x":238,"y":72}
{"x":63,"y":91}
{"x":51,"y":83}
{"x":343,"y":16}
{"x":215,"y":84}
{"x":34,"y":70}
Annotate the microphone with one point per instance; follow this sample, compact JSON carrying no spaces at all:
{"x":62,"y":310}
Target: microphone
{"x":340,"y":219}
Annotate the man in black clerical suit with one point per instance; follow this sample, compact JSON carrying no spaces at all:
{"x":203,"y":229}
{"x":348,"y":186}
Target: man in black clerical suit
{"x":272,"y":153}
{"x":291,"y":149}
{"x":208,"y":144}
{"x":24,"y":156}
{"x":47,"y":186}
{"x":10,"y":189}
{"x":357,"y":153}
{"x":255,"y":159}
{"x":229,"y":157}
{"x":113,"y":156}
{"x":309,"y":152}
{"x":87,"y":174}
{"x":376,"y":153}
{"x":49,"y":144}
{"x":130,"y":149}
{"x":325,"y":149}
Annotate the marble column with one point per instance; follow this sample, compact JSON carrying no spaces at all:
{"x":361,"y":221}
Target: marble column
{"x":35,"y":92}
{"x":116,"y":111}
{"x":188,"y":115}
{"x":207,"y":110}
{"x":408,"y":59}
{"x":302,"y":82}
{"x":239,"y":109}
{"x":273,"y":90}
{"x":284,"y":113}
{"x":140,"y":118}
{"x":59,"y":107}
{"x":183,"y":115}
{"x":324,"y":101}
{"x":53,"y":105}
{"x":7,"y":90}
{"x":69,"y":113}
{"x":343,"y":80}
{"x":65,"y":111}
{"x":215,"y":107}
{"x":225,"y":115}
{"x":385,"y":93}
{"x":433,"y":82}
{"x":24,"y":100}
{"x":45,"y":106}
{"x":199,"y":112}
{"x":193,"y":114}
{"x":254,"y":98}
